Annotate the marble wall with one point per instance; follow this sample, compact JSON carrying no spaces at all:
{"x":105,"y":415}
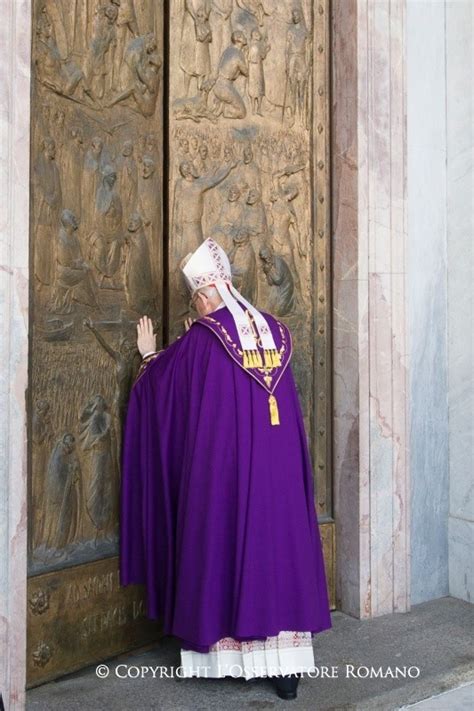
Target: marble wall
{"x":460,"y":271}
{"x":14,"y":191}
{"x":427,"y":298}
{"x":440,"y":282}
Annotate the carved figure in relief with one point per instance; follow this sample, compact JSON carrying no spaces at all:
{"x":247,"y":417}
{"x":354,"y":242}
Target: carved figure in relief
{"x":229,"y":155}
{"x":80,"y":18}
{"x":73,"y":166}
{"x":52,"y":70}
{"x":41,"y":422}
{"x":248,"y":173}
{"x":45,"y":119}
{"x":184,"y":150}
{"x":258,"y":50}
{"x":215,"y":148}
{"x":123,"y":359}
{"x":63,"y":495}
{"x":138,"y":277}
{"x":194,"y":146}
{"x":91,"y":179}
{"x":255,"y":8}
{"x":230,"y":218}
{"x":95,"y":435}
{"x":101,"y":46}
{"x":73,"y":280}
{"x":221,"y":28}
{"x":188,"y":204}
{"x":254,"y":218}
{"x":244,"y":265}
{"x":127,"y":177}
{"x":201,"y":162}
{"x":279,"y":277}
{"x":196,"y":36}
{"x":203,"y":40}
{"x":49,"y":203}
{"x":195,"y":108}
{"x":298,"y":58}
{"x":286,"y":235}
{"x":41,"y":436}
{"x":231,"y":65}
{"x":149,"y":193}
{"x":150,"y":145}
{"x":127,"y":27}
{"x":140,"y":75}
{"x":266,"y":161}
{"x":107,"y":239}
{"x":58,"y":129}
{"x":55,"y":13}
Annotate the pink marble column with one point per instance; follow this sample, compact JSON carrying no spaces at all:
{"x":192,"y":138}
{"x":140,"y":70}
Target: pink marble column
{"x":370,"y":361}
{"x":15,"y":60}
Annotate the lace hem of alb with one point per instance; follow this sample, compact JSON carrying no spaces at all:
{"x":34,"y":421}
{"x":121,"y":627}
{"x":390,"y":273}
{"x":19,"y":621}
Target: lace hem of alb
{"x":286,"y":653}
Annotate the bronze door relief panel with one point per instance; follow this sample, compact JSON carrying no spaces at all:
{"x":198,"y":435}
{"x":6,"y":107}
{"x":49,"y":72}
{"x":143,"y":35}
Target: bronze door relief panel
{"x":96,"y":256}
{"x":248,"y":146}
{"x":243,"y":87}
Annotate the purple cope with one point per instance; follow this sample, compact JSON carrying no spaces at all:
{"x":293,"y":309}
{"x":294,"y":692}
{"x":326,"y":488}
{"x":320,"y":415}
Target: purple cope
{"x":217,"y":515}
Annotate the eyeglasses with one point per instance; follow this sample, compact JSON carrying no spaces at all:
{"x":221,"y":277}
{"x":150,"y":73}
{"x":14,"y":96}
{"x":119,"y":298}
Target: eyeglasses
{"x":192,"y":301}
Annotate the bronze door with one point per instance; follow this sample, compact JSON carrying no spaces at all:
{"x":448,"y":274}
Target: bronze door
{"x":155,"y":125}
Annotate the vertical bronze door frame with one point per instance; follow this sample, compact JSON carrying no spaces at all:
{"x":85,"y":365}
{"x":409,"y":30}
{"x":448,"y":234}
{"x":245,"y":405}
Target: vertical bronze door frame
{"x":322,"y":303}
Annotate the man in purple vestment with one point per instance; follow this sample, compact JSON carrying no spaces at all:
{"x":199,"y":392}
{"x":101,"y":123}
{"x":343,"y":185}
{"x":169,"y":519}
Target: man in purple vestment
{"x":217,"y":496}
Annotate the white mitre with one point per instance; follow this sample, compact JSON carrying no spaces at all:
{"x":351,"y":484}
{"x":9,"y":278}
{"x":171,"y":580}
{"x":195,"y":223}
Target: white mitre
{"x":209,"y":265}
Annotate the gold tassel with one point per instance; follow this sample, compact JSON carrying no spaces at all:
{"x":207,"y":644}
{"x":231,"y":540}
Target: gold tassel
{"x":253,"y":359}
{"x":274,"y":414}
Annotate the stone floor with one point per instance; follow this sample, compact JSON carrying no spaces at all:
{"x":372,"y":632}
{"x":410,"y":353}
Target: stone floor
{"x":460,"y":699}
{"x":435,"y":637}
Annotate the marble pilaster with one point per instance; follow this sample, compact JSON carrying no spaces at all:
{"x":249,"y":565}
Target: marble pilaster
{"x":15,"y":63}
{"x":460,"y":306}
{"x":371,"y":470}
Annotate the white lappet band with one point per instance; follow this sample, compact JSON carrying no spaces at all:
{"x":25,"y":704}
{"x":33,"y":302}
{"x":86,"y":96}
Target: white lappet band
{"x":264,"y":332}
{"x":249,"y":340}
{"x":244,"y":328}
